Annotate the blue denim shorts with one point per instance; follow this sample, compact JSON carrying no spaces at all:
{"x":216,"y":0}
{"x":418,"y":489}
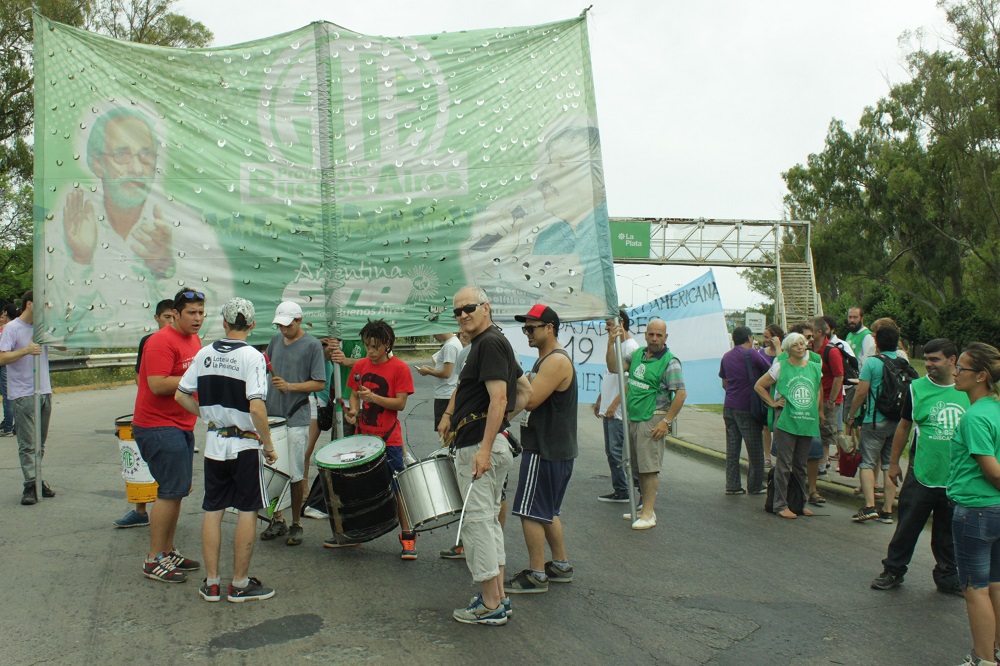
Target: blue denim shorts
{"x":169,"y":454}
{"x":816,"y":449}
{"x":976,"y":531}
{"x":394,"y":456}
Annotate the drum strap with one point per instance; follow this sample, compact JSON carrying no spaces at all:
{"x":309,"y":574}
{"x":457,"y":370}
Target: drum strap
{"x":475,"y":416}
{"x":515,"y":445}
{"x":232,"y":431}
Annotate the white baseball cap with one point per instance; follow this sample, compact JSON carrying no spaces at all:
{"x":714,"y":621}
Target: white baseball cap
{"x":286,"y":313}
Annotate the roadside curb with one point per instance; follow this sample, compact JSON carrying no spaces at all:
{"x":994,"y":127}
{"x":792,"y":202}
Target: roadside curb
{"x":841,"y":490}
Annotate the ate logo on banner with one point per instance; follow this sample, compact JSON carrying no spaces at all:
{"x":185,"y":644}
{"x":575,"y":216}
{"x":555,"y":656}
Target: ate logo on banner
{"x":388,"y":135}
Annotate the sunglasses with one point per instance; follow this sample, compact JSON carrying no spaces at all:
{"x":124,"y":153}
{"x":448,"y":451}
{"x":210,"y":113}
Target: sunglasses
{"x":123,"y":156}
{"x":467,"y":309}
{"x":530,"y":330}
{"x":193,"y":294}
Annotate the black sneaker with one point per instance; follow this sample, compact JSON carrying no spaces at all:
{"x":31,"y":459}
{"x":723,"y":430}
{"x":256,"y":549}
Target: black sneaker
{"x":613,"y":497}
{"x":276,"y":529}
{"x":865,"y":513}
{"x":887,"y":581}
{"x":738,"y":491}
{"x":210,"y":592}
{"x":525,"y":582}
{"x":47,"y":491}
{"x":557,"y":575}
{"x":885,"y":517}
{"x":952,"y":588}
{"x":28,"y":497}
{"x":294,"y":535}
{"x":253,"y":590}
{"x":182,"y":563}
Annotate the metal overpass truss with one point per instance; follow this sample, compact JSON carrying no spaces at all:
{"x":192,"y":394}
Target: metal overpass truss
{"x":782,"y":245}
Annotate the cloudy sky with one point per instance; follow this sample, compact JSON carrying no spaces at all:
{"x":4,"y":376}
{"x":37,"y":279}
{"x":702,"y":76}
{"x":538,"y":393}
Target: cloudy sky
{"x":701,"y":105}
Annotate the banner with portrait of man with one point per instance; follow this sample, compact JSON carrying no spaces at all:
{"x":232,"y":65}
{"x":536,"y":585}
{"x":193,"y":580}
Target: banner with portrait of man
{"x":360,"y":176}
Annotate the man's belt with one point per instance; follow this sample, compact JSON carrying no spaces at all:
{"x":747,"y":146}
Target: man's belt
{"x":232,"y":431}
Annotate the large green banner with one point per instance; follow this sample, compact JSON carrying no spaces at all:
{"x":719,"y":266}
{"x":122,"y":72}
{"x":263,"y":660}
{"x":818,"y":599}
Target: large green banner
{"x":362,"y":177}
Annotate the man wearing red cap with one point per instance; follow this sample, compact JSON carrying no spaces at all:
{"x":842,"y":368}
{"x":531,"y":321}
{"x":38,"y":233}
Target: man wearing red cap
{"x":549,"y":438}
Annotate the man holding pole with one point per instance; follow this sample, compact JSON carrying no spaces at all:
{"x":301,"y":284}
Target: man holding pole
{"x":655,"y":396}
{"x":16,"y":351}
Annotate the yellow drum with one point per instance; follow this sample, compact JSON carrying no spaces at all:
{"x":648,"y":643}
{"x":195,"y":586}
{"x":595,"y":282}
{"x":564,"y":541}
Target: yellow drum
{"x":139,"y":484}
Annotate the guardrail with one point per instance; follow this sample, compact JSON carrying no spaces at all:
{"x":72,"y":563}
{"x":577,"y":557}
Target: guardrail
{"x":59,"y":363}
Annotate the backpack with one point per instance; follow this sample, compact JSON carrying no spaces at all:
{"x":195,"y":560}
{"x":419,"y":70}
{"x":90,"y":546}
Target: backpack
{"x":852,"y":369}
{"x":796,"y":500}
{"x":897,"y":373}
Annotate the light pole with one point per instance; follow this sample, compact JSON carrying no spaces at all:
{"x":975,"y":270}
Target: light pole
{"x":633,"y":280}
{"x":645,"y":288}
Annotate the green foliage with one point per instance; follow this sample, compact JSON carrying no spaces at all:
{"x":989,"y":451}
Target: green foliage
{"x":145,"y":21}
{"x":906,"y":208}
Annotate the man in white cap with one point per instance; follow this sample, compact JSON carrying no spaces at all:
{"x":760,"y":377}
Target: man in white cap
{"x":298,"y":370}
{"x":230,"y":379}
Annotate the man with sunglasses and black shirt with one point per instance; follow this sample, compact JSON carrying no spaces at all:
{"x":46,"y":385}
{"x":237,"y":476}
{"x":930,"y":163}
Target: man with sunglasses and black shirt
{"x":164,"y":432}
{"x":491,"y":389}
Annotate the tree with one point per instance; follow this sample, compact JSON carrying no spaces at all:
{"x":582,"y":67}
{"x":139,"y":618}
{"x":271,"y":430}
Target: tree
{"x":910,"y":200}
{"x":146,"y":21}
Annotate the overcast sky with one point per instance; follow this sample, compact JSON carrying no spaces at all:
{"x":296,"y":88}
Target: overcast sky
{"x":701,"y":105}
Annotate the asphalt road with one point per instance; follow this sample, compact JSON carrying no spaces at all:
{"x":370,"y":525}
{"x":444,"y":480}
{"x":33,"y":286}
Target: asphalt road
{"x":718,"y":581}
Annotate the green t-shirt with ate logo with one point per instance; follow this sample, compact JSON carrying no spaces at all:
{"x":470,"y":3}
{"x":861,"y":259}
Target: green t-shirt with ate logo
{"x":800,"y":386}
{"x":978,"y":434}
{"x":936,"y":412}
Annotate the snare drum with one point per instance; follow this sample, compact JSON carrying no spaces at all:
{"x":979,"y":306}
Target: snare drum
{"x":140,"y":488}
{"x":277,"y":489}
{"x":357,"y":487}
{"x":430,"y":493}
{"x":279,"y":438}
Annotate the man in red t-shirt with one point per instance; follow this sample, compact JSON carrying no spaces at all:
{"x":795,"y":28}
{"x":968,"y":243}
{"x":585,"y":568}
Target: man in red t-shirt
{"x":164,"y":432}
{"x":833,"y":398}
{"x":381,"y":384}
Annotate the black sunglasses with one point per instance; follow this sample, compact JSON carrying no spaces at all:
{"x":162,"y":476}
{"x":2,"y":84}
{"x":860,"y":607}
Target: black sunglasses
{"x":526,"y":329}
{"x":467,"y":309}
{"x":193,"y":294}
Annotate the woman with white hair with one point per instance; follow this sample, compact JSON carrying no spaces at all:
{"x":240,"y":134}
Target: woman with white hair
{"x":797,"y":415}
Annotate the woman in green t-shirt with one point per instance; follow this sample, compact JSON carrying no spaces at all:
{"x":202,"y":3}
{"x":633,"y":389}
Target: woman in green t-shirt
{"x":797,"y":416}
{"x":974,"y":486}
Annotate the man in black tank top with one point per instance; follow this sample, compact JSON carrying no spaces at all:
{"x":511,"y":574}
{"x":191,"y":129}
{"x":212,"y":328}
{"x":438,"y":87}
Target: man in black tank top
{"x":549,"y":438}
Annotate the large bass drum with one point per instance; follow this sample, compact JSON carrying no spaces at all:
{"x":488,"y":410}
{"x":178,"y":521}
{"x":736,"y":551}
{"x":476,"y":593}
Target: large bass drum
{"x":357,"y":487}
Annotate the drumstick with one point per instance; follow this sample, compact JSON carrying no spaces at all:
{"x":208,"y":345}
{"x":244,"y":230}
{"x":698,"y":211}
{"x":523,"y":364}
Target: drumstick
{"x":461,"y":516}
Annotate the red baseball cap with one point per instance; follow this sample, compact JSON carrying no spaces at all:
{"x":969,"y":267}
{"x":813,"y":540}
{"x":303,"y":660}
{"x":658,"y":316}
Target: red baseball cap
{"x":542,"y":313}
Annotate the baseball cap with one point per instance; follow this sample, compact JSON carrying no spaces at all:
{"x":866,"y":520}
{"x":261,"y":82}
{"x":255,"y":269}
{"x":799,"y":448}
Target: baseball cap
{"x":286,"y":313}
{"x":542,"y":313}
{"x":235,"y":307}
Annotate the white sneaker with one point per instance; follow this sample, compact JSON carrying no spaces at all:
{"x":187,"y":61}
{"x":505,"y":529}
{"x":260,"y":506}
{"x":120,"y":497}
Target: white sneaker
{"x":644,"y":524}
{"x":310,"y":512}
{"x":628,"y":516}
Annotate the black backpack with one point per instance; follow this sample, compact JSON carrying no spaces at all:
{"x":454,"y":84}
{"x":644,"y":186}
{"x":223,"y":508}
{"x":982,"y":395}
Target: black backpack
{"x":897,"y":373}
{"x":796,"y":500}
{"x":852,"y":369}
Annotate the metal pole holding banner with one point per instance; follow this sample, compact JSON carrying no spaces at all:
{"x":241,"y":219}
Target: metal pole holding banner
{"x":626,"y":448}
{"x":338,"y":407}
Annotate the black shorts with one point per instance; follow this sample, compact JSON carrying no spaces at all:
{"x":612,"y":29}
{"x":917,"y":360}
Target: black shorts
{"x":235,"y":483}
{"x":440,"y":407}
{"x":541,"y":487}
